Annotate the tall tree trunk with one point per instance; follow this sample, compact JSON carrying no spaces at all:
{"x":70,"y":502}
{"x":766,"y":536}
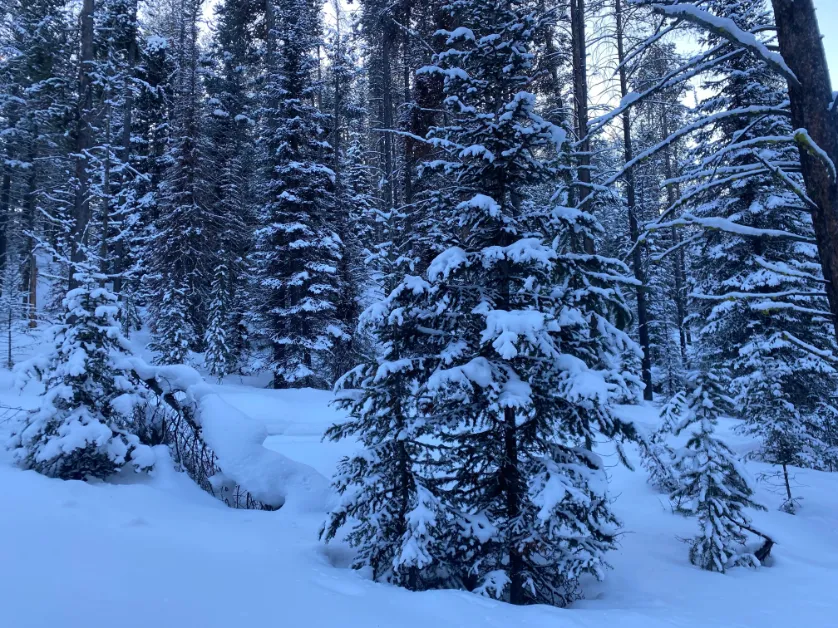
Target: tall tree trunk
{"x":120,"y":262}
{"x":387,"y":41}
{"x":634,"y":231}
{"x":5,"y":206}
{"x":510,"y":477}
{"x":678,"y":263}
{"x":31,"y":217}
{"x":814,"y":108}
{"x":580,"y":91}
{"x":107,"y":188}
{"x":81,"y":203}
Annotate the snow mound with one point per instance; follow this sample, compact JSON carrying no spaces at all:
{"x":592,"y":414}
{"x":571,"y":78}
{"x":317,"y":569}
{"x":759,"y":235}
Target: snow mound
{"x":239,"y":444}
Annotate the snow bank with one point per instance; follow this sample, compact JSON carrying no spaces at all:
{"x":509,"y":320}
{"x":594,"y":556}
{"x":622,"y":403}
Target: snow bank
{"x":238,"y":442}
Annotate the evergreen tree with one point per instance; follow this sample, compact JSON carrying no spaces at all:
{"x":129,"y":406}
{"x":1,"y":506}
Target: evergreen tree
{"x":658,"y":456}
{"x":219,"y":357}
{"x":390,"y":502}
{"x":298,"y":249}
{"x":180,"y":253}
{"x":231,"y":119}
{"x":37,"y":71}
{"x":513,"y":311}
{"x":712,"y":484}
{"x":84,"y":426}
{"x":760,"y":290}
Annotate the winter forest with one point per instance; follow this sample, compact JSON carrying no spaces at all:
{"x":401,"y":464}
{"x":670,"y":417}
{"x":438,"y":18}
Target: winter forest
{"x":307,"y":308}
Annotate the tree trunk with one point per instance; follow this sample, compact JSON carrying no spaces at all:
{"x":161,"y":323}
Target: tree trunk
{"x":580,"y":92}
{"x":5,"y":205}
{"x":802,"y":49}
{"x":511,"y":483}
{"x":31,"y":217}
{"x":387,"y":39}
{"x":120,"y":262}
{"x":81,"y":203}
{"x":678,"y":261}
{"x":634,"y":231}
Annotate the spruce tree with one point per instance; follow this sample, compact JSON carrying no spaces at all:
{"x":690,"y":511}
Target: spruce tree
{"x":514,"y":302}
{"x":180,"y":253}
{"x":761,"y":294}
{"x":298,"y":249}
{"x":84,"y":426}
{"x":390,"y":507}
{"x":658,"y":456}
{"x":230,"y":81}
{"x":712,"y":485}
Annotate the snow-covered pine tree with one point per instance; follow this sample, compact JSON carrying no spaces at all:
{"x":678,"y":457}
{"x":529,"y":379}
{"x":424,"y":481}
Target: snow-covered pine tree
{"x":712,"y":484}
{"x":180,"y":252}
{"x":83,"y":427}
{"x":759,"y":286}
{"x":390,"y":505}
{"x":658,"y":456}
{"x":150,"y":134}
{"x":37,"y":70}
{"x":298,"y":250}
{"x":665,"y":262}
{"x":353,"y":201}
{"x":111,"y":189}
{"x":230,"y":124}
{"x":218,"y":357}
{"x":520,"y":321}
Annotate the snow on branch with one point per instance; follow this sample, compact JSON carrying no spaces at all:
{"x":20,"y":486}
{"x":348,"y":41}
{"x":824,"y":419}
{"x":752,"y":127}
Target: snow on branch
{"x":791,"y":183}
{"x":779,"y":109}
{"x":727,"y":28}
{"x":729,"y":296}
{"x":821,"y":353}
{"x":805,"y":141}
{"x":680,"y":74}
{"x":781,"y":268}
{"x":728,"y":226}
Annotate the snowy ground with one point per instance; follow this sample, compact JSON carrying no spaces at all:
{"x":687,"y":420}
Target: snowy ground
{"x":158,"y":552}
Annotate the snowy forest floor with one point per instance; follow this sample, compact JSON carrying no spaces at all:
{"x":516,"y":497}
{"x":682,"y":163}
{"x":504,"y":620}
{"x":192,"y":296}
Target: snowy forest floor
{"x":156,"y":551}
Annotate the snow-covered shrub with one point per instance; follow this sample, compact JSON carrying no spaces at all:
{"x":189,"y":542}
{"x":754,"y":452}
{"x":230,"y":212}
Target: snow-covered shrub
{"x":712,"y":484}
{"x":84,"y":426}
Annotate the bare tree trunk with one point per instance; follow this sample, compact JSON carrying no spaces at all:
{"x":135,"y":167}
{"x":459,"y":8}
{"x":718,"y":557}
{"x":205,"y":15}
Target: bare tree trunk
{"x":31,"y":218}
{"x":511,"y":482}
{"x":634,"y":231}
{"x":679,"y":262}
{"x":81,"y":204}
{"x":107,"y":202}
{"x":5,"y":205}
{"x":120,"y":262}
{"x":787,"y":482}
{"x":814,"y":109}
{"x":387,"y":39}
{"x":6,"y":198}
{"x":580,"y":91}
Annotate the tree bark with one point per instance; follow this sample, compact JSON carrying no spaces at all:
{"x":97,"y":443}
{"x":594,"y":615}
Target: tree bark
{"x":634,"y":231}
{"x":387,"y":40}
{"x":580,"y":91}
{"x":81,"y":203}
{"x":813,"y":108}
{"x":510,"y":479}
{"x":120,"y":262}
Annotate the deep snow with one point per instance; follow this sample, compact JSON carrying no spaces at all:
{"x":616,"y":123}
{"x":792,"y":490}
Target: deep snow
{"x":158,"y":552}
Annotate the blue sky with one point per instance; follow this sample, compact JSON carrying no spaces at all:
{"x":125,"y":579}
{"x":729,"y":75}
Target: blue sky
{"x":828,"y":20}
